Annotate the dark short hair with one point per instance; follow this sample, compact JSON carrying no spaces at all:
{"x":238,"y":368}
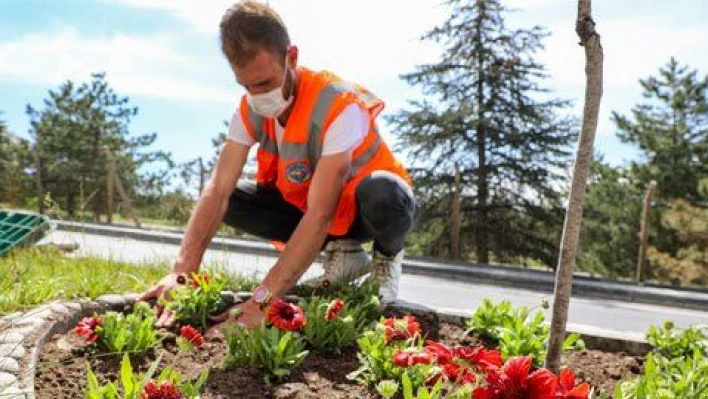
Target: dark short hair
{"x":248,"y":27}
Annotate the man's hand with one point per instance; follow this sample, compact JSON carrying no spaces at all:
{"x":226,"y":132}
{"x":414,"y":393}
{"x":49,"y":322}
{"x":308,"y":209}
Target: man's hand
{"x":161,"y":292}
{"x":250,"y":316}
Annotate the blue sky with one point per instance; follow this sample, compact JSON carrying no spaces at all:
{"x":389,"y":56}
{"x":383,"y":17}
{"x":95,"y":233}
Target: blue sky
{"x":164,"y":54}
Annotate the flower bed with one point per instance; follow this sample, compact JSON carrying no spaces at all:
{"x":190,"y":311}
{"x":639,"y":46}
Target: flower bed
{"x":328,"y":347}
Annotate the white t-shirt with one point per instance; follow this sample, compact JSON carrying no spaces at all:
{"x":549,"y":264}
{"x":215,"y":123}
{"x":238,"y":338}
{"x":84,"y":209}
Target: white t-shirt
{"x":345,"y":133}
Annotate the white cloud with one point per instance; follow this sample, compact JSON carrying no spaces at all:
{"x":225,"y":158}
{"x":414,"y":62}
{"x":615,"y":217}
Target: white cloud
{"x":150,"y":65}
{"x":204,"y":15}
{"x":368,"y":41}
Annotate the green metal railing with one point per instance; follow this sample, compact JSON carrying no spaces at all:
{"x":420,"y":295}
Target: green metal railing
{"x":20,"y":229}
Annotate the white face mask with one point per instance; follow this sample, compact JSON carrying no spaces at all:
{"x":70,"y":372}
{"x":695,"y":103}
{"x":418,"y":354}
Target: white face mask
{"x":271,"y":104}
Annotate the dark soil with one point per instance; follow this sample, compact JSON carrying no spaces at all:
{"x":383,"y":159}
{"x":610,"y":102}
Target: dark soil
{"x":61,"y":372}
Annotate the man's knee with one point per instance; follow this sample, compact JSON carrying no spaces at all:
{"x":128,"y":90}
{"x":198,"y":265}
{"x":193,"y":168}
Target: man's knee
{"x":385,"y":198}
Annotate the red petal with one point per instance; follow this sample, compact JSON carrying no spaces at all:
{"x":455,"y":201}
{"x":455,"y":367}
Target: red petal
{"x":491,"y":357}
{"x":420,"y":358}
{"x":402,"y":359}
{"x":484,"y":393}
{"x":441,"y":353}
{"x":566,"y":379}
{"x":582,"y":391}
{"x":451,"y":371}
{"x":541,"y":384}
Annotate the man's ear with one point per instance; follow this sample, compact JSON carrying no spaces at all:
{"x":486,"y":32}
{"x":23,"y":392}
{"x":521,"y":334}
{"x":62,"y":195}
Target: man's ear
{"x":293,"y":56}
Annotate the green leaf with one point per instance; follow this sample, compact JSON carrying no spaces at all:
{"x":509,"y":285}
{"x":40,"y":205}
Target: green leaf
{"x":407,"y":386}
{"x":126,"y":376}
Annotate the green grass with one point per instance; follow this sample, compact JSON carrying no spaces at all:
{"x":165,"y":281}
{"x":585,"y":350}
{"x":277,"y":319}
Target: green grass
{"x":29,"y":277}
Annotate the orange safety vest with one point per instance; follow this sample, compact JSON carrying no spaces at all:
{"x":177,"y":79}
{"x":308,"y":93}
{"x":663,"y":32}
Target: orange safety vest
{"x":321,"y":97}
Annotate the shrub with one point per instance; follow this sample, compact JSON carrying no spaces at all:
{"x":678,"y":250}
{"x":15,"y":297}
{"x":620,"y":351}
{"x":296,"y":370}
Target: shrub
{"x":515,"y":331}
{"x":671,"y":342}
{"x":682,"y":377}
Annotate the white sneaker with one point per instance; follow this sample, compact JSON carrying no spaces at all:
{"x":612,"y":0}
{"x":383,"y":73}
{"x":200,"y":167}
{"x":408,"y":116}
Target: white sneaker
{"x":386,"y":271}
{"x":344,"y":261}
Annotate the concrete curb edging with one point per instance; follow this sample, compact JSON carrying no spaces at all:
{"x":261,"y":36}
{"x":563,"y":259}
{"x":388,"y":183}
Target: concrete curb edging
{"x":29,"y":331}
{"x":538,"y":280}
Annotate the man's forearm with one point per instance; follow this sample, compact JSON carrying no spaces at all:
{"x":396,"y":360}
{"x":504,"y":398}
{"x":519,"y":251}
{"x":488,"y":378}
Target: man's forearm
{"x":300,"y":251}
{"x":202,"y":227}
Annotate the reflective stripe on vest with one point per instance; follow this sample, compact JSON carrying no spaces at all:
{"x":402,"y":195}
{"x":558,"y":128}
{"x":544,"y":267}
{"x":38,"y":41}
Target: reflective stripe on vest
{"x":312,"y":149}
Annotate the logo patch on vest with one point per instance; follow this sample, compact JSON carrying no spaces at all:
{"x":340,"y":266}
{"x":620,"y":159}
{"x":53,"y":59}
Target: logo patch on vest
{"x":298,"y":172}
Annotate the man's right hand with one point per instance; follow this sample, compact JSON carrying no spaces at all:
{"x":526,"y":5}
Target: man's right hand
{"x":161,"y":292}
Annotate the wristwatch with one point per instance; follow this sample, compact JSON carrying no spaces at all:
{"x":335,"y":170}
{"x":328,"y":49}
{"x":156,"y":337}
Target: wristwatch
{"x":262,"y":296}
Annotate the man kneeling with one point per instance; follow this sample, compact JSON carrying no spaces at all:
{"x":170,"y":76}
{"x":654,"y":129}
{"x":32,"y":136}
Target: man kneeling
{"x":325,"y":177}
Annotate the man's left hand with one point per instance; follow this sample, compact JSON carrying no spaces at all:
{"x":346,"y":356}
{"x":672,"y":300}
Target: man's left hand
{"x":251,"y":316}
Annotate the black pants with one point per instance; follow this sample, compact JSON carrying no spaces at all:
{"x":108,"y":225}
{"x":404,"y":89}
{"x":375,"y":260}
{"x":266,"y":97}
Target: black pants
{"x":386,"y":212}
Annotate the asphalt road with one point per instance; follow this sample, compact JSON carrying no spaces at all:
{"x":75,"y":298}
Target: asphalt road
{"x":604,"y":316}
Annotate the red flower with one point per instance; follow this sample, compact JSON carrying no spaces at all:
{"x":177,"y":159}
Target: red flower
{"x":451,"y":371}
{"x":400,"y":329}
{"x":404,"y":358}
{"x":567,"y":389}
{"x":515,"y":382}
{"x":166,"y":390}
{"x":191,"y":335}
{"x":333,"y":309}
{"x":468,"y":377}
{"x":286,"y":316}
{"x":438,"y":351}
{"x":484,"y":359}
{"x":87,"y":328}
{"x":196,"y":278}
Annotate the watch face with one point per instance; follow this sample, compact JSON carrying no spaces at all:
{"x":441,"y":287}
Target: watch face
{"x":260,"y":294}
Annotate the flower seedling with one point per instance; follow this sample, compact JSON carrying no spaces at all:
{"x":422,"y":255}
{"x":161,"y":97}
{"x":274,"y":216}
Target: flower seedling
{"x":378,"y":347}
{"x":329,"y":328}
{"x":189,"y":338}
{"x":132,"y":385}
{"x":116,"y":332}
{"x":197,"y":299}
{"x":274,"y":350}
{"x":672,"y":342}
{"x":277,"y":348}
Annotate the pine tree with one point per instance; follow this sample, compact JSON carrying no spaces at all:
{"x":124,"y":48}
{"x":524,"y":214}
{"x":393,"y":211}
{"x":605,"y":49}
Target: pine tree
{"x":5,"y":160}
{"x":609,"y":239}
{"x":689,"y":223}
{"x":15,"y":182}
{"x":69,"y":135}
{"x":670,"y":128}
{"x":485,"y":109}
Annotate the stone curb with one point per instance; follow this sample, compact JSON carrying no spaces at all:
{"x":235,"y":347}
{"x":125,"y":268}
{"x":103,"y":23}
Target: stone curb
{"x":22,"y":335}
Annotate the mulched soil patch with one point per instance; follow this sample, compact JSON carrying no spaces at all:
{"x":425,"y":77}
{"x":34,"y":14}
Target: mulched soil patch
{"x":61,"y":372}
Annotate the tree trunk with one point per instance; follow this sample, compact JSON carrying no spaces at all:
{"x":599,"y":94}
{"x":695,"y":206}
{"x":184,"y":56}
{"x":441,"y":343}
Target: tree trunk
{"x":455,"y":219}
{"x":590,"y":40}
{"x":97,"y":175}
{"x":109,"y":192}
{"x":644,"y":231}
{"x":119,"y":186}
{"x":482,"y":184}
{"x":40,"y":176}
{"x":71,"y":201}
